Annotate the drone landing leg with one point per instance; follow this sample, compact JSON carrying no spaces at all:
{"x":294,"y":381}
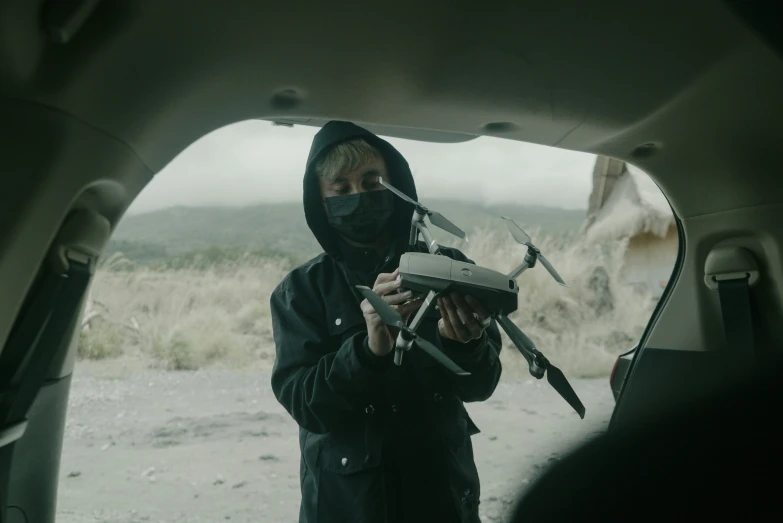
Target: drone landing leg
{"x":398,"y":354}
{"x":403,"y":345}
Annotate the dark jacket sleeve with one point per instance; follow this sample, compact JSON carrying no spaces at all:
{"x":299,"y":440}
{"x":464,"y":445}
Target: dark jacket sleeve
{"x":319,"y":384}
{"x":480,"y":357}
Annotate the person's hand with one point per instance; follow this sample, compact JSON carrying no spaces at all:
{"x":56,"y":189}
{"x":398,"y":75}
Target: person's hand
{"x":463,"y":318}
{"x":381,"y":337}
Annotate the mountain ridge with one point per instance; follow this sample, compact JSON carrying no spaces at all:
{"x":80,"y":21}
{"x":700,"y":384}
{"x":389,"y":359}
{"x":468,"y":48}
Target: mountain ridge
{"x":280,"y":227}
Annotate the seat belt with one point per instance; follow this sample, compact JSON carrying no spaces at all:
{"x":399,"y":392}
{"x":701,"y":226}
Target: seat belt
{"x":25,"y":334}
{"x":732,"y":271}
{"x":40,"y":332}
{"x":735,"y":306}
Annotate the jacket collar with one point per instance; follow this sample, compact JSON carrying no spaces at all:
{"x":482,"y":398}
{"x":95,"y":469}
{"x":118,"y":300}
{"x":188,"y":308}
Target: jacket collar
{"x":369,"y":260}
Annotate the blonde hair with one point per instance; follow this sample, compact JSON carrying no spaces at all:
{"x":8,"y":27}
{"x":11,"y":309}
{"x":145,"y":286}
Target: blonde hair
{"x":345,"y":157}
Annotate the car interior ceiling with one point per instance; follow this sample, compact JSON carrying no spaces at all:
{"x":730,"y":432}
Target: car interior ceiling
{"x":98,"y":96}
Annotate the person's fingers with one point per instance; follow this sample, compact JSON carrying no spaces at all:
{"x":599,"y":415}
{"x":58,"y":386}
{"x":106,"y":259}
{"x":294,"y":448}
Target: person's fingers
{"x":385,"y":288}
{"x":407,"y":308}
{"x":386,"y":277}
{"x":462,"y":332}
{"x":464,"y":311}
{"x":481,"y":311}
{"x":451,"y":323}
{"x":444,"y":324}
{"x":371,"y":316}
{"x":466,"y":315}
{"x":442,"y":328}
{"x":366,"y":307}
{"x":396,"y":299}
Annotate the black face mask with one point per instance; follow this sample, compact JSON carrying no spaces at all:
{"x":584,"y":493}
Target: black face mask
{"x":360,"y":217}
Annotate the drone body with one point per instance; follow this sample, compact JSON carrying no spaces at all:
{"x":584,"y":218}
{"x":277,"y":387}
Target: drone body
{"x":422,"y":272}
{"x":430,"y":275}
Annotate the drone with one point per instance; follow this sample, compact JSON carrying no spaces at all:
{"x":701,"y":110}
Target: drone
{"x":430,"y":275}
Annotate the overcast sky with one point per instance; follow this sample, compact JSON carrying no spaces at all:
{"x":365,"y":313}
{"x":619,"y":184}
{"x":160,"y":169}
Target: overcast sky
{"x":254,"y":161}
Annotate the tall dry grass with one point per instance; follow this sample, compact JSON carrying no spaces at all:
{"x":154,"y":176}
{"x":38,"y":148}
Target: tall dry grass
{"x":581,"y":328}
{"x":188,"y":318}
{"x":184,"y":318}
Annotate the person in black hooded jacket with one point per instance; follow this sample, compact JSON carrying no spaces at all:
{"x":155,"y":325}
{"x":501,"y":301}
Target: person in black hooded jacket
{"x":379,"y":442}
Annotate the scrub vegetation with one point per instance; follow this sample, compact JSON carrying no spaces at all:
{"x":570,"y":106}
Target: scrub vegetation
{"x":209,"y":307}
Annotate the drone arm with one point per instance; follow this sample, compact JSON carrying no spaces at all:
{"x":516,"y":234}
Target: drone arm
{"x":524,"y":344}
{"x":539,"y":365}
{"x":414,"y":237}
{"x":518,"y":338}
{"x":519,"y":270}
{"x":429,"y":303}
{"x":432,"y":245}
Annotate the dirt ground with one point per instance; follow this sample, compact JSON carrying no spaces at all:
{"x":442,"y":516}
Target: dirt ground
{"x":214,"y":445}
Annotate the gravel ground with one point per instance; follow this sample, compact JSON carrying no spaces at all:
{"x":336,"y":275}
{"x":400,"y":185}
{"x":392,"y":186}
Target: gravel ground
{"x":214,"y":445}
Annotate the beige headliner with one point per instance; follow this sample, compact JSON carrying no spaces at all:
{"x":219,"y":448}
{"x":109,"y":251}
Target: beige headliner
{"x":144,"y":79}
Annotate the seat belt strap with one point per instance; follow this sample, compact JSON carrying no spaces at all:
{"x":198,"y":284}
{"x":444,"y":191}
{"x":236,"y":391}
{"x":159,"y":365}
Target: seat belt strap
{"x":51,"y":338}
{"x":48,"y":330}
{"x":24,"y":336}
{"x":732,"y":271}
{"x":5,"y":470}
{"x":735,"y":305}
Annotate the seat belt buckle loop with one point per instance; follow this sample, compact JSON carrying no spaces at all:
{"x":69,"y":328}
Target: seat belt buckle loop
{"x":730,"y":263}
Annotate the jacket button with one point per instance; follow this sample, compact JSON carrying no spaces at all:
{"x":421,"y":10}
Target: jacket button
{"x":369,"y":409}
{"x":437,"y":396}
{"x":338,"y":321}
{"x":394,"y":408}
{"x":344,"y":462}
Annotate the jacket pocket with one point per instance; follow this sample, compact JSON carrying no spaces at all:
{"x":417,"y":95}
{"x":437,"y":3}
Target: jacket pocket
{"x":347,"y":455}
{"x":350,"y":479}
{"x":344,"y":320}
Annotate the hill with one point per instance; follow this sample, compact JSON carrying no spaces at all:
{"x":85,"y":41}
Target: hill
{"x":280,"y":228}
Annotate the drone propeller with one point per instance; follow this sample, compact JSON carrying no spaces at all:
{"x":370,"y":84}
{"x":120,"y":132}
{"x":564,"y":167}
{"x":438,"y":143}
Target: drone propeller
{"x":436,"y":218}
{"x":539,"y":365}
{"x":523,"y":238}
{"x":438,"y":356}
{"x":393,"y":318}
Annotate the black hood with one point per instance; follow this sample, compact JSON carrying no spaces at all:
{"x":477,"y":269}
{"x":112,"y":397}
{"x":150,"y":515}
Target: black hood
{"x":336,"y":132}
